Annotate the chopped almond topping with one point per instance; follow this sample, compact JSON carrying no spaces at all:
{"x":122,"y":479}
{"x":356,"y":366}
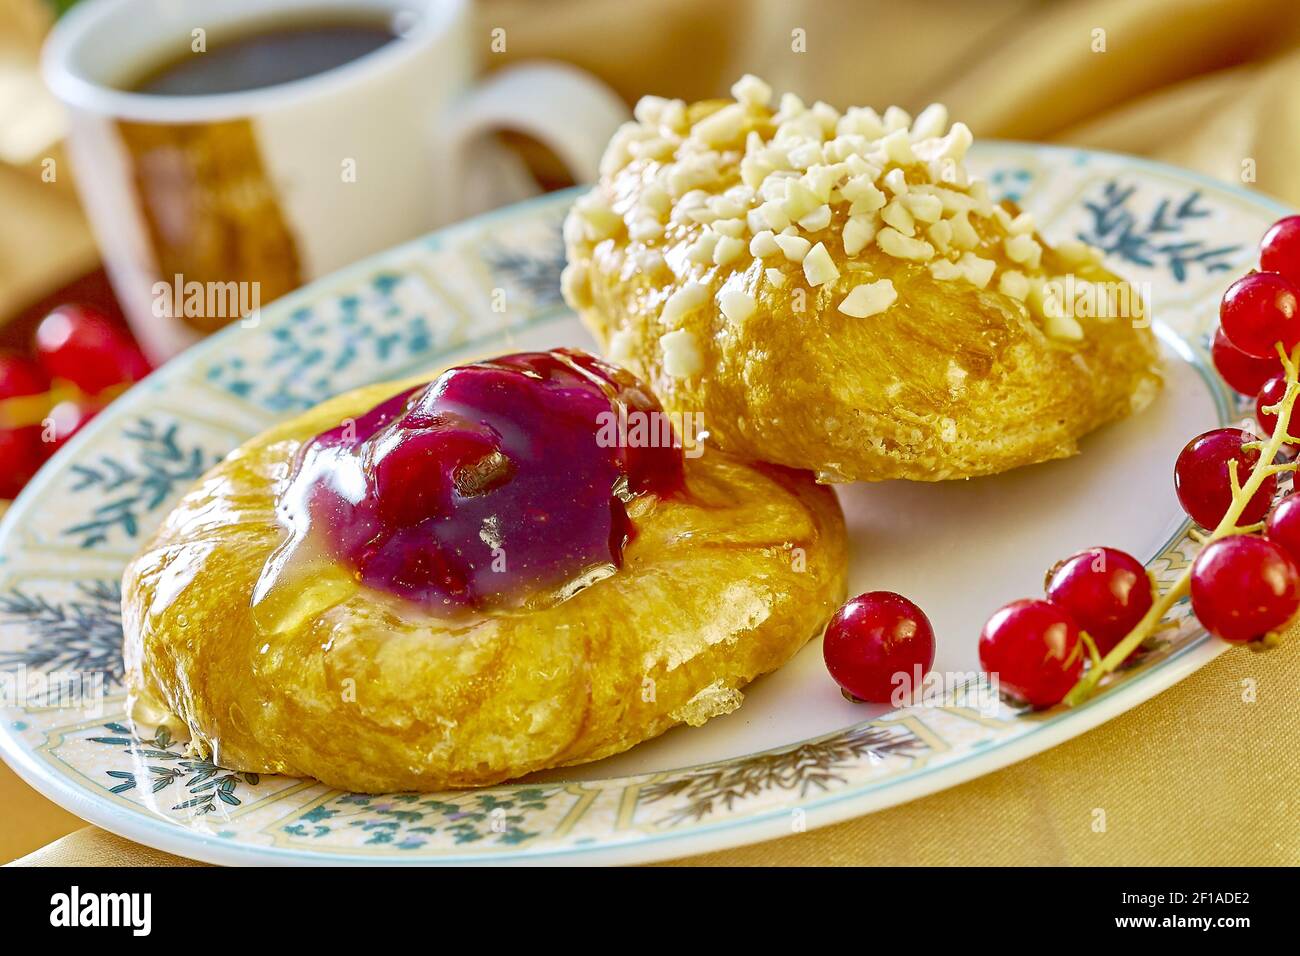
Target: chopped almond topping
{"x":858,"y":233}
{"x":900,"y":246}
{"x":686,"y":299}
{"x":794,"y":247}
{"x":1014,"y":284}
{"x":737,"y":306}
{"x":752,"y":91}
{"x":896,"y":215}
{"x":869,"y":299}
{"x":682,"y":358}
{"x":743,"y":178}
{"x":818,"y":267}
{"x":728,"y":249}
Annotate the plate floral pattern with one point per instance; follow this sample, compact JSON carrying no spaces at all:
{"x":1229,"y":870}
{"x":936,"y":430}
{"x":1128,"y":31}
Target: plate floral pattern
{"x":64,"y":542}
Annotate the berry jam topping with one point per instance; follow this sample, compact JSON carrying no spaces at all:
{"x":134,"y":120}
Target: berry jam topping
{"x":498,"y":484}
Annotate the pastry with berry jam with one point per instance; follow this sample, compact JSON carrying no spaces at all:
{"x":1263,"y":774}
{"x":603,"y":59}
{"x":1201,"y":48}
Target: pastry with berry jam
{"x":424,"y":585}
{"x":834,"y":291}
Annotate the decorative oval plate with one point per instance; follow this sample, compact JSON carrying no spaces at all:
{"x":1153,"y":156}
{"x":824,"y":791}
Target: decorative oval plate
{"x":796,"y":754}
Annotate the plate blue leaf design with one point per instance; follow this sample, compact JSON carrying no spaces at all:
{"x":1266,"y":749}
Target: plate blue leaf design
{"x":82,"y":635}
{"x":803,"y":769}
{"x":208,"y":785}
{"x":316,"y":348}
{"x":533,"y":268}
{"x":1158,"y":239}
{"x":1009,"y":182}
{"x":407,"y":821}
{"x":156,"y":466}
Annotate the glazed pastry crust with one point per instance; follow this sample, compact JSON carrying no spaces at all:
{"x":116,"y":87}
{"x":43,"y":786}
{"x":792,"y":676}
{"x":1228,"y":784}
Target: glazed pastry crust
{"x":950,"y":381}
{"x":718,"y":587}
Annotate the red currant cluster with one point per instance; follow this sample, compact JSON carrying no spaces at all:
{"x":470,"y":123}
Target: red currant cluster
{"x":1037,"y":648}
{"x":82,"y":361}
{"x":1101,"y":605}
{"x":1255,"y":308}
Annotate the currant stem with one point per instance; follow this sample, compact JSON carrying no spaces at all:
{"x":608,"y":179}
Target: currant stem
{"x":1241,"y":496}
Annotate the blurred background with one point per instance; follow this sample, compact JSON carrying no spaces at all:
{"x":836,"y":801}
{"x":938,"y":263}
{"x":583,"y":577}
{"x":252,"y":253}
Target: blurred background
{"x":1207,"y":84}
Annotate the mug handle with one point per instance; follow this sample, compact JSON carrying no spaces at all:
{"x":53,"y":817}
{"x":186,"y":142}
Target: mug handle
{"x":566,"y":109}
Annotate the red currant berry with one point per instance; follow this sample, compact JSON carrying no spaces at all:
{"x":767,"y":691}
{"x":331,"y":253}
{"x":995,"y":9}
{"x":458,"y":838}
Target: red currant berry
{"x":18,"y":376}
{"x":1201,"y":477}
{"x":80,"y":345}
{"x":64,"y":420}
{"x":872,"y":640}
{"x":1283,"y":526}
{"x":1269,"y":394}
{"x":1280,"y":249}
{"x":20,"y":448}
{"x":1242,"y":372}
{"x":20,"y":457}
{"x":1105,"y":591}
{"x":1257,"y":312}
{"x":1032,"y":647}
{"x":1244,"y":587}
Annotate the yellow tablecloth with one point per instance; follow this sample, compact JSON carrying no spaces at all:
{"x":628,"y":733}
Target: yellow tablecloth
{"x":1198,"y":775}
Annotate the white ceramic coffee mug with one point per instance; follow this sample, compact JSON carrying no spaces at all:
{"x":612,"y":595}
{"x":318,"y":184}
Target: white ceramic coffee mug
{"x":282,"y":184}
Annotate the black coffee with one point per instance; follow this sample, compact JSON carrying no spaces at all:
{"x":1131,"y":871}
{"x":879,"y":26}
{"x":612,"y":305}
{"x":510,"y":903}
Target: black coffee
{"x":264,"y":55}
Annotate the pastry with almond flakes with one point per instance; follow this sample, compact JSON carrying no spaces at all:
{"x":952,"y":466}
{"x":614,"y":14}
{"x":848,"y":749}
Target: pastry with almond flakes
{"x":835,"y":292}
